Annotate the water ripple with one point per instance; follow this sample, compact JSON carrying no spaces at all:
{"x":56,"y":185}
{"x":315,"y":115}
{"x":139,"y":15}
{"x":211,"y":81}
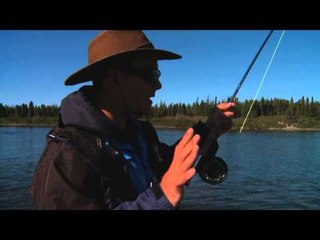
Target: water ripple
{"x":267,"y":170}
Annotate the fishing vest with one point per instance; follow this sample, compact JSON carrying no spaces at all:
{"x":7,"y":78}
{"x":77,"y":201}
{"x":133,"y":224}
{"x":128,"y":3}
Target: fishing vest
{"x":106,"y":162}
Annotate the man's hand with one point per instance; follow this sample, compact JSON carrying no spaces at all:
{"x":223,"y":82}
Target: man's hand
{"x":181,"y":169}
{"x":220,"y":117}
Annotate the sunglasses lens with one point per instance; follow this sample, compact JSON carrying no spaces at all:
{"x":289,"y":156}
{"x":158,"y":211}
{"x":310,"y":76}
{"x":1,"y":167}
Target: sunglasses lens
{"x":155,"y":74}
{"x":147,"y":74}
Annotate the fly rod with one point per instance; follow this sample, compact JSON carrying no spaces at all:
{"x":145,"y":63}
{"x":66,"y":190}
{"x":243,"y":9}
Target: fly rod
{"x":215,"y":171}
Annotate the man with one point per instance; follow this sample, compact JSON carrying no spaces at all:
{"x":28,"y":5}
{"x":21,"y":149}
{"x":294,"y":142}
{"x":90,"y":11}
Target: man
{"x":100,"y":156}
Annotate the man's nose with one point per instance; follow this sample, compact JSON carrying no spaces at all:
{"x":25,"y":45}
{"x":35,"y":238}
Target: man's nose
{"x":157,"y":84}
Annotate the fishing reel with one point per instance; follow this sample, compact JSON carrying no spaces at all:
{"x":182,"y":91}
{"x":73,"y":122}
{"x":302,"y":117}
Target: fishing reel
{"x":211,"y":169}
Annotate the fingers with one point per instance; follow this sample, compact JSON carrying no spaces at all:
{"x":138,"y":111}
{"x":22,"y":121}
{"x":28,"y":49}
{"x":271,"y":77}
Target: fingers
{"x":186,"y":137}
{"x":189,"y":147}
{"x":184,"y":169}
{"x":186,"y":176}
{"x":186,"y":143}
{"x":221,"y":121}
{"x":228,"y":114}
{"x":190,"y":160}
{"x":225,"y":106}
{"x":185,"y":147}
{"x":181,"y":170}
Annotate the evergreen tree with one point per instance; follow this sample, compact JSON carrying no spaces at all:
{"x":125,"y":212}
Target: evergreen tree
{"x":30,"y":110}
{"x":2,"y":110}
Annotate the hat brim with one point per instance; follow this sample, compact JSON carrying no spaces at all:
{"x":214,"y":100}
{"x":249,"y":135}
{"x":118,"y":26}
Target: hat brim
{"x":85,"y":74}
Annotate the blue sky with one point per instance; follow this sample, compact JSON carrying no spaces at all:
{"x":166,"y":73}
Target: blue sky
{"x":34,"y":64}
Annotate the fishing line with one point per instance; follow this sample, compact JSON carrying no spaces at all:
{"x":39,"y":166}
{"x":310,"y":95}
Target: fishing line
{"x":262,"y":81}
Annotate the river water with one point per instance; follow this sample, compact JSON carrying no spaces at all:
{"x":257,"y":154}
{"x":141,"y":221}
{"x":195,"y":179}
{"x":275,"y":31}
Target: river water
{"x":267,"y":170}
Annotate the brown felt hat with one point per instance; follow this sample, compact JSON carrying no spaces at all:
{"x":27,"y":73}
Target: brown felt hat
{"x":112,"y":44}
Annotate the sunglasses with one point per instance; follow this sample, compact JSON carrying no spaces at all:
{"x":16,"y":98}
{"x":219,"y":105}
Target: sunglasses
{"x":149,"y":74}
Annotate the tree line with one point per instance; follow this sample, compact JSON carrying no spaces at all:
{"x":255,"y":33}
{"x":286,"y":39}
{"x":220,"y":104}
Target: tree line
{"x":304,"y":107}
{"x":29,"y":111}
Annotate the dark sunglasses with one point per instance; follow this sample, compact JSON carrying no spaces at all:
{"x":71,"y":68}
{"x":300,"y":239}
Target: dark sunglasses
{"x":146,"y":73}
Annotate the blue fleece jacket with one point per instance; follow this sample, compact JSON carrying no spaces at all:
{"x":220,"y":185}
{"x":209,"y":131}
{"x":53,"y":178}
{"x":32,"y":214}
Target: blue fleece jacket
{"x":77,"y":110}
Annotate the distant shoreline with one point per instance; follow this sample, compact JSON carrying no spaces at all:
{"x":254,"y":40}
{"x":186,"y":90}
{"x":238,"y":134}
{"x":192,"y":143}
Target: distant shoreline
{"x":285,"y":129}
{"x":25,"y":125}
{"x":293,"y":129}
{"x":253,"y":125}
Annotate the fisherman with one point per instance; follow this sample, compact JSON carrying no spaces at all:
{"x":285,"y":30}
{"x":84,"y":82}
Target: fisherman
{"x":100,"y":156}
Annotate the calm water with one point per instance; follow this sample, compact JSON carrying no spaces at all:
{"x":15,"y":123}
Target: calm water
{"x":267,"y":170}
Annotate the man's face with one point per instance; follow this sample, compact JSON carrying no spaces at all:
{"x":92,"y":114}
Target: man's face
{"x":141,"y":81}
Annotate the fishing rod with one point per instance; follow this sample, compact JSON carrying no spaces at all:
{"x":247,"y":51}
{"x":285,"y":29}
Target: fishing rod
{"x":232,"y":98}
{"x":213,"y":169}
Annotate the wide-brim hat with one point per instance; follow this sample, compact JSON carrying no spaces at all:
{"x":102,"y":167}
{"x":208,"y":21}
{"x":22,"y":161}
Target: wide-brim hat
{"x":110,"y":45}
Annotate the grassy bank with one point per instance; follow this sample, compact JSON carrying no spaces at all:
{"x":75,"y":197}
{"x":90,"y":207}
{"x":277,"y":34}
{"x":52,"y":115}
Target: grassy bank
{"x":253,"y":124}
{"x":183,"y":122}
{"x":28,"y":122}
